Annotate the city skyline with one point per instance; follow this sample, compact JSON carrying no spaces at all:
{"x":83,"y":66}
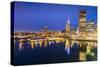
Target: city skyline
{"x":33,"y":16}
{"x":51,"y":33}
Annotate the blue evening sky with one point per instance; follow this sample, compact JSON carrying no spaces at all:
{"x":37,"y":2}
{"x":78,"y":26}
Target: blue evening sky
{"x":33,"y":16}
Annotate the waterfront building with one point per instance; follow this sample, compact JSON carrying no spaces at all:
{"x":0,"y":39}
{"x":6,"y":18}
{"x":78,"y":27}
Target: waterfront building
{"x":82,"y":23}
{"x":68,"y":28}
{"x":91,"y":29}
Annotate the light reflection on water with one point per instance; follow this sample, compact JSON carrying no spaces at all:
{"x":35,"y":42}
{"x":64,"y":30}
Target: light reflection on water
{"x":67,"y":50}
{"x":51,"y":52}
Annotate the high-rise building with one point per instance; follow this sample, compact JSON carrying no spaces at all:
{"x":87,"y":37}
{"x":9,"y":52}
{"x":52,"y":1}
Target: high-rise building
{"x":82,"y":23}
{"x":45,"y":29}
{"x":91,"y":28}
{"x":68,"y":27}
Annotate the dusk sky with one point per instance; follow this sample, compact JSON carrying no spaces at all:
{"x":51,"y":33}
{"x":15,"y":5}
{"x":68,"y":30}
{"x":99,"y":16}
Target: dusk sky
{"x":33,"y":16}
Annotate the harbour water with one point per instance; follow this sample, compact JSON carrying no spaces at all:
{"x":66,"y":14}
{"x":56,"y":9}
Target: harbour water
{"x":52,"y":53}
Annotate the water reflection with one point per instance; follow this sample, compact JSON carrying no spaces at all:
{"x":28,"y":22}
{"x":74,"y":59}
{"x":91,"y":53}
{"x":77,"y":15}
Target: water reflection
{"x":54,"y":51}
{"x":67,"y":50}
